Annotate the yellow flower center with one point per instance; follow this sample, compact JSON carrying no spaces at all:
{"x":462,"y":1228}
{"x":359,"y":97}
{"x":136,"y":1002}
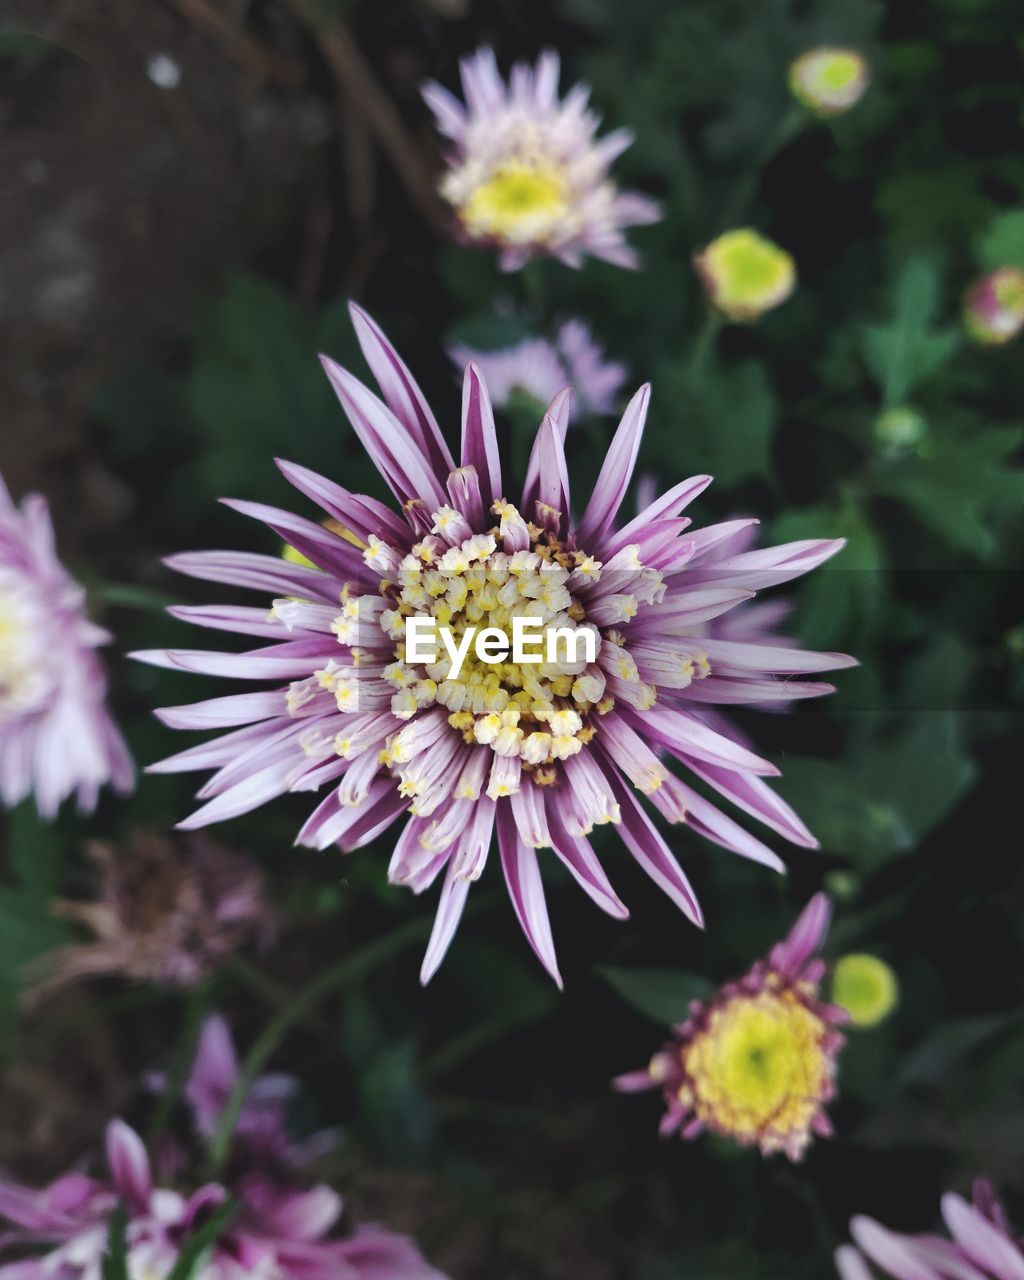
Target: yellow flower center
{"x":840,"y":71}
{"x":865,"y":987}
{"x":23,"y":679}
{"x":520,"y":204}
{"x":758,"y":1071}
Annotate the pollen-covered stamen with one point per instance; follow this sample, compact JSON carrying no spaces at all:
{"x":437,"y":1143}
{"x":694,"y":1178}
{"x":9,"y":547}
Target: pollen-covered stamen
{"x":536,"y":712}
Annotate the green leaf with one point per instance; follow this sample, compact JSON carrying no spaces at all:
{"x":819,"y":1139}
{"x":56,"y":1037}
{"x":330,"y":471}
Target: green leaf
{"x":904,"y":351}
{"x":726,"y":424}
{"x":1002,"y":244}
{"x":191,"y":1253}
{"x":840,"y":602}
{"x":114,"y":1263}
{"x":662,"y":994}
{"x":961,"y":485}
{"x":882,"y":801}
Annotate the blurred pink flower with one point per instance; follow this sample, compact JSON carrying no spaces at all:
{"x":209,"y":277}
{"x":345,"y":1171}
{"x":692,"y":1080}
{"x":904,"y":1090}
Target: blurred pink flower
{"x":540,"y":369}
{"x":994,"y":307}
{"x":981,"y":1246}
{"x":166,"y":911}
{"x":56,"y":735}
{"x":756,"y":1061}
{"x":277,"y":1233}
{"x":526,"y":173}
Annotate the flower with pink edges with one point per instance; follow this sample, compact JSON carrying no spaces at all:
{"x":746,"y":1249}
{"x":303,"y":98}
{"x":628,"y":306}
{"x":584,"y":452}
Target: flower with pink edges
{"x":539,"y":369}
{"x":526,"y":173}
{"x":756,"y":1061}
{"x":538,"y":755}
{"x":980,"y":1246}
{"x":57,"y":738}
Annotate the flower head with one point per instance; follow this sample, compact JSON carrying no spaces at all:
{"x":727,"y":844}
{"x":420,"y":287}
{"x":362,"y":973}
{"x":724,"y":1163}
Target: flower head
{"x":279,"y":1230}
{"x":829,"y":81}
{"x":994,"y":308}
{"x":865,"y":987}
{"x":756,"y":1062}
{"x":166,"y":911}
{"x":56,"y":736}
{"x":981,"y":1246}
{"x":538,"y":749}
{"x":526,"y":173}
{"x":539,"y":369}
{"x":745,"y":275}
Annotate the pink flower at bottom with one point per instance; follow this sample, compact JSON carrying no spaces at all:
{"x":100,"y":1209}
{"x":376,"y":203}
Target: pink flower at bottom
{"x":980,"y":1245}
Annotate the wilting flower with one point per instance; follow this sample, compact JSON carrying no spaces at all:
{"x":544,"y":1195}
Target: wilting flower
{"x":994,"y":308}
{"x":829,"y":81}
{"x":538,"y":369}
{"x":166,"y":911}
{"x":261,"y":1133}
{"x":540,"y":752}
{"x":278,"y":1231}
{"x":756,"y":1062}
{"x":865,"y":987}
{"x":526,"y":173}
{"x":56,"y":736}
{"x":982,"y":1246}
{"x":745,"y":274}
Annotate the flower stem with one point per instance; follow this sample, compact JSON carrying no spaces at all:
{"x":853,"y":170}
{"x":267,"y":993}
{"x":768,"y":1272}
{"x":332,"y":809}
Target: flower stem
{"x":192,"y":1021}
{"x":337,"y":976}
{"x":702,"y":349}
{"x":736,"y":206}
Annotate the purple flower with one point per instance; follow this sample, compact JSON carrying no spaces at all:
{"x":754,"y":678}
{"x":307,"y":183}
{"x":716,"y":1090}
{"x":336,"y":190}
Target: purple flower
{"x":756,"y":1062}
{"x":166,"y":911}
{"x":261,"y":1131}
{"x":526,"y":173}
{"x":540,"y":369}
{"x":539,"y":754}
{"x":278,"y":1233}
{"x":56,"y":736}
{"x":981,"y":1245}
{"x":994,"y":307}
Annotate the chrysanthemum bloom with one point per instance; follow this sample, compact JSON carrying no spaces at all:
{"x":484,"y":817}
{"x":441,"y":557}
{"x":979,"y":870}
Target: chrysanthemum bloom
{"x":167,"y":911}
{"x":981,"y":1247}
{"x":277,"y":1233}
{"x":865,"y":987}
{"x":829,"y":81}
{"x":540,"y":752}
{"x":526,"y":173}
{"x":56,"y":736}
{"x":538,"y":370}
{"x":745,"y":275}
{"x":756,"y":1062}
{"x":994,"y":308}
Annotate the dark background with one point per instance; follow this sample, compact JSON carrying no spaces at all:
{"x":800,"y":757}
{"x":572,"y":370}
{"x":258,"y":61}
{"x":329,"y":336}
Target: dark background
{"x":171,"y":260}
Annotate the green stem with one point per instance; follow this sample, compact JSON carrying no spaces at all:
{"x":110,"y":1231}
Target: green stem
{"x":736,"y":206}
{"x":534,"y":286}
{"x":702,"y":349}
{"x":192,"y":1021}
{"x":486,"y":1034}
{"x":125,"y":595}
{"x":332,"y":979}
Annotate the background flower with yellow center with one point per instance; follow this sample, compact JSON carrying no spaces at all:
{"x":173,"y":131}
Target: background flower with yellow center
{"x":538,"y":754}
{"x":756,"y":1062}
{"x":745,"y":274}
{"x":526,"y":172}
{"x":829,"y":81}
